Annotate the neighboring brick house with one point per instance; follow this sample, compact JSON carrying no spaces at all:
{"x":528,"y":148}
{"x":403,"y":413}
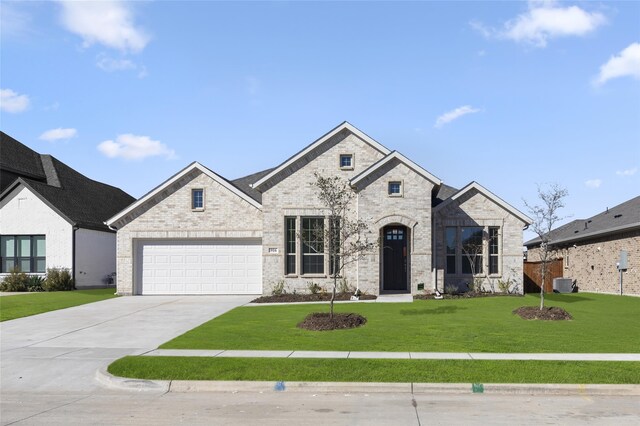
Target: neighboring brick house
{"x":52,"y":216}
{"x":590,"y":249}
{"x":198,"y":233}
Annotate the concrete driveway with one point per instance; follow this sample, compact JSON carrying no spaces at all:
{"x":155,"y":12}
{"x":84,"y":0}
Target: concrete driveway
{"x":60,"y":351}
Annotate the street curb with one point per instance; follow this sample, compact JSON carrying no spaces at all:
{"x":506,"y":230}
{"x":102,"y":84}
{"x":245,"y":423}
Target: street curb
{"x":109,"y":381}
{"x":188,"y":386}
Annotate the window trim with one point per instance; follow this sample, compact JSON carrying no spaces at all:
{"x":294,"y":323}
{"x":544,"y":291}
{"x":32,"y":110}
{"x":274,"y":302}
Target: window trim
{"x":400,"y":184}
{"x":303,"y":272}
{"x":288,"y":253}
{"x":497,"y":253}
{"x":193,"y":192}
{"x":352,"y":161}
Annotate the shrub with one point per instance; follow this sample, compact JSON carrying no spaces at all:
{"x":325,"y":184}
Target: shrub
{"x":451,"y":289}
{"x":35,"y":283}
{"x":314,"y":288}
{"x":278,"y":288}
{"x":15,"y":281}
{"x":504,"y":286}
{"x":58,"y":279}
{"x":344,"y":287}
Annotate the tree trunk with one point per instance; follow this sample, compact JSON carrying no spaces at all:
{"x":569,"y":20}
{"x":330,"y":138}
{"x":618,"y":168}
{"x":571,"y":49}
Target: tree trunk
{"x":544,"y":273}
{"x":333,"y":296}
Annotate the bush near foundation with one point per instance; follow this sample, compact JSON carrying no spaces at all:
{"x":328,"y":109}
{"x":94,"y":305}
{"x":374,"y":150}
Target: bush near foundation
{"x":58,"y":279}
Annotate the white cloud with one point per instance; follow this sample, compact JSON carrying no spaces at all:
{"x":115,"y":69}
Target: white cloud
{"x":628,"y":172}
{"x":627,"y":63}
{"x":544,"y":21}
{"x":58,"y":134}
{"x":593,"y":183}
{"x":448,"y":117}
{"x":10,"y":101}
{"x":110,"y":23}
{"x":14,"y":21}
{"x":109,"y":64}
{"x":133,"y":147}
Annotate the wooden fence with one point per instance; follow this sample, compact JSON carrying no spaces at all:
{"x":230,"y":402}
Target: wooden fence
{"x":533,"y":275}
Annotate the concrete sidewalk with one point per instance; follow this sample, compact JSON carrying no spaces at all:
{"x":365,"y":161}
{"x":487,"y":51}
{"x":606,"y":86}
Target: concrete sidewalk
{"x":397,"y":355}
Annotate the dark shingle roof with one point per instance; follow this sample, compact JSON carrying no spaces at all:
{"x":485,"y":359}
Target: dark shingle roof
{"x":17,"y":160}
{"x":444,"y":192}
{"x":85,"y":202}
{"x":244,"y":184}
{"x":618,"y":218}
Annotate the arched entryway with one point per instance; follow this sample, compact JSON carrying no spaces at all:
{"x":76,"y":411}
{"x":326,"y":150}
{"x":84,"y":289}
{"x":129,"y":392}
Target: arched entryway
{"x":395,"y":260}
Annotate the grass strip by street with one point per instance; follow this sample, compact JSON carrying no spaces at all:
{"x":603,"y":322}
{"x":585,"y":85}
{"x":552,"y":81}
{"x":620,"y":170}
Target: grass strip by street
{"x":24,"y":305}
{"x":601,"y":324}
{"x":376,"y":370}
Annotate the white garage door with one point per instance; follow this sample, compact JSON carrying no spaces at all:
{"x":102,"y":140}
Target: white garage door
{"x":200,"y":267}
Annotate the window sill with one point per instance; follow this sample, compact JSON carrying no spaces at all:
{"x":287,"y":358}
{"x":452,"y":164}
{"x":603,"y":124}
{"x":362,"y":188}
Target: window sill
{"x":197,"y":210}
{"x":291,"y":276}
{"x":313,"y":276}
{"x":346,"y":168}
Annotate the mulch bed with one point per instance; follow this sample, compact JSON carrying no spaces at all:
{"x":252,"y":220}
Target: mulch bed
{"x":321,"y":321}
{"x":467,"y":295}
{"x":552,"y":313}
{"x":319,"y":297}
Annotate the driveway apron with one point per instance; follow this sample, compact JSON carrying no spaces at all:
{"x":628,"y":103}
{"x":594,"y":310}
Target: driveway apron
{"x":60,"y":351}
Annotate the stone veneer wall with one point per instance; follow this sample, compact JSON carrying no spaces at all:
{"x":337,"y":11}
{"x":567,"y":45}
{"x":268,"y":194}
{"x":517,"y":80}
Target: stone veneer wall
{"x":475,"y":209}
{"x":225,"y":216}
{"x":295,"y":196}
{"x":592,"y":263}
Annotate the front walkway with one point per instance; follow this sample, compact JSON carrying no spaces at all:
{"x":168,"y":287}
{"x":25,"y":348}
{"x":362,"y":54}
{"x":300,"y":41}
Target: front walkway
{"x":396,"y":355}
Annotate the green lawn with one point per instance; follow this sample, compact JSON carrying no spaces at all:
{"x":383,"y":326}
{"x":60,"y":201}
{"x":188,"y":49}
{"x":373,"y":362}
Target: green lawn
{"x":602,"y":323}
{"x":375,"y":370}
{"x":24,"y":305}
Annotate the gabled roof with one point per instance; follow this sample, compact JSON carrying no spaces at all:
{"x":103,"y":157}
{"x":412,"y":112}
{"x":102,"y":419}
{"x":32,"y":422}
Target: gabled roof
{"x":343,"y":126}
{"x":625,"y":216}
{"x":395,"y":155}
{"x":191,"y":167}
{"x":81,"y":201}
{"x":18,"y":160}
{"x":490,"y":195}
{"x":441,"y":193}
{"x":244,"y":184}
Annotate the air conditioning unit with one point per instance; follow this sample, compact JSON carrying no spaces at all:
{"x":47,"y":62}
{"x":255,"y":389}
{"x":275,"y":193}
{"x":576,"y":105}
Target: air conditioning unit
{"x":562,"y":285}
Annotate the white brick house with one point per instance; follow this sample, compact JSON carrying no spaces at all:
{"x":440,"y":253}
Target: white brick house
{"x":198,"y":233}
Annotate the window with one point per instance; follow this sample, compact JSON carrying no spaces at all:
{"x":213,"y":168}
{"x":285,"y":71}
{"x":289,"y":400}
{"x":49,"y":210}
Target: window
{"x":197,"y":199}
{"x":493,"y":250}
{"x":312,"y":245}
{"x":27,"y":253}
{"x":290,"y":245}
{"x":471,"y":239}
{"x":451,"y":245}
{"x":395,"y":189}
{"x":346,"y":161}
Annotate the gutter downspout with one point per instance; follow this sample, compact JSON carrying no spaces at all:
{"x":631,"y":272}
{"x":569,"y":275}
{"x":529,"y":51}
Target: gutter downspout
{"x":73,"y":254}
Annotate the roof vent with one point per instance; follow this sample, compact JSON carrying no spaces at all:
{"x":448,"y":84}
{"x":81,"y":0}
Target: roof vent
{"x":617,"y":216}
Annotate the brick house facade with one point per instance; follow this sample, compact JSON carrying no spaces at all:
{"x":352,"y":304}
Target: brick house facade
{"x":198,"y":233}
{"x":591,"y":248}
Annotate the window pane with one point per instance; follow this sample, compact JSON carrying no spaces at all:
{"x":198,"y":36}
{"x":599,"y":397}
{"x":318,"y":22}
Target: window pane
{"x":8,"y":247}
{"x":24,"y":264}
{"x":39,"y":246}
{"x":24,"y":246}
{"x":394,"y":187}
{"x":313,"y":264}
{"x":493,"y":265}
{"x":345,"y":161}
{"x":7,"y":265}
{"x":451,"y":264}
{"x":291,"y":264}
{"x":197,"y":198}
{"x":450,"y":237}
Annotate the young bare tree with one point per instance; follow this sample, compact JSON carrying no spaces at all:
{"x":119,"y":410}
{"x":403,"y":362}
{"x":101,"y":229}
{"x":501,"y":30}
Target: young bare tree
{"x":472,"y":247}
{"x":545,"y":216}
{"x":346,"y":236}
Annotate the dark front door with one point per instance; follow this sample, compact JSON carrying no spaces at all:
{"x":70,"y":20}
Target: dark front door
{"x":394,"y":258}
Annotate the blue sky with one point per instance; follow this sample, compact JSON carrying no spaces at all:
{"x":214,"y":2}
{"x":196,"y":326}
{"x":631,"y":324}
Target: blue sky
{"x":510,"y":94}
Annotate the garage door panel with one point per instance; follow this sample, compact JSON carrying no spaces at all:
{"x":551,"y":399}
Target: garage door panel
{"x":207,"y":267}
